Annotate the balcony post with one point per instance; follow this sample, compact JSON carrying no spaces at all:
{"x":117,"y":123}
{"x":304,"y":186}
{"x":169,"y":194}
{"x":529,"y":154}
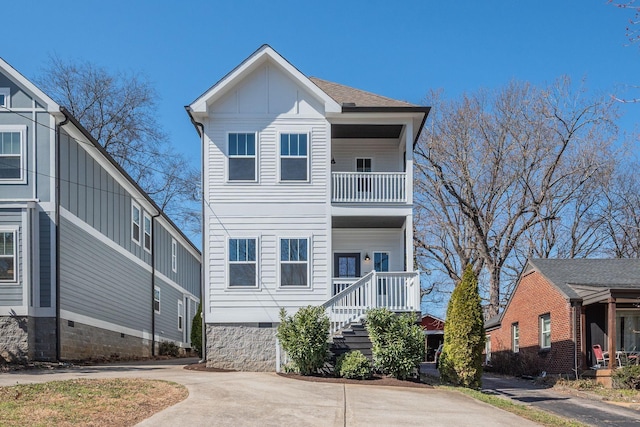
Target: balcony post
{"x":408,"y":146}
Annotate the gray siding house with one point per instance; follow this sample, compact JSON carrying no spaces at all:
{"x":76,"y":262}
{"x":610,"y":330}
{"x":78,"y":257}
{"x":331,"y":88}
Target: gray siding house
{"x":90,"y":266}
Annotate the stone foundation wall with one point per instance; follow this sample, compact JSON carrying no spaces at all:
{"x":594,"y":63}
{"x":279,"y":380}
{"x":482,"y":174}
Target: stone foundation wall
{"x":14,"y":339}
{"x":79,"y":341}
{"x":244,"y":347}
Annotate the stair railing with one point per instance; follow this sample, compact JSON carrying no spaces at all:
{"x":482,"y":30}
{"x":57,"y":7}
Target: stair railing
{"x":397,"y":291}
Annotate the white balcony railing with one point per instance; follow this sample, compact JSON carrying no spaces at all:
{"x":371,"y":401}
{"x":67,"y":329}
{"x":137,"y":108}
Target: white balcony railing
{"x":369,"y":187}
{"x":397,"y":291}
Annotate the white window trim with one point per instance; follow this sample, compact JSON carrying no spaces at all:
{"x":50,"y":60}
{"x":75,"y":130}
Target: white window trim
{"x":15,"y":279}
{"x":308,"y":262}
{"x":146,"y":217}
{"x":180,"y":315}
{"x":228,"y":157}
{"x":134,"y":205}
{"x":515,"y":327}
{"x":159,"y":300}
{"x":373,"y":259}
{"x":7,"y":97}
{"x":542,"y":331}
{"x":280,"y":157}
{"x":228,"y":287}
{"x":22,"y":129}
{"x":174,"y":255}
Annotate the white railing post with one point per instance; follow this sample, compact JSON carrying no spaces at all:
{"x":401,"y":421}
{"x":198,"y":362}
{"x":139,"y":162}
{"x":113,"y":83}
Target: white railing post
{"x":369,"y":187}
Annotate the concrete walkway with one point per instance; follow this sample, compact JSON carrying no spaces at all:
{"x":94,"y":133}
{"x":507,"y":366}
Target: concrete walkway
{"x":580,"y":407}
{"x":266,"y":399}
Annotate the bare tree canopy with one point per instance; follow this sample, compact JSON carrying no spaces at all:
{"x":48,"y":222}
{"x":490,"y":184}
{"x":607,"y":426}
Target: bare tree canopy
{"x":506,"y":174}
{"x":119,"y":110}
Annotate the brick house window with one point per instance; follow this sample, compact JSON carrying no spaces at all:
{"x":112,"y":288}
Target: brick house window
{"x":515,"y":337}
{"x":545,"y":331}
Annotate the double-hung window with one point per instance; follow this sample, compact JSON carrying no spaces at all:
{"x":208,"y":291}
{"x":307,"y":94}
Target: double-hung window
{"x":8,"y":256}
{"x":136,"y":213}
{"x":515,"y":337}
{"x":12,"y":153}
{"x":242,"y":157}
{"x":545,"y":331}
{"x":294,"y":262}
{"x":242,"y":263}
{"x":174,"y":255}
{"x":147,"y":232}
{"x":156,"y":299}
{"x":4,"y":97}
{"x":294,"y":159}
{"x":180,"y":315}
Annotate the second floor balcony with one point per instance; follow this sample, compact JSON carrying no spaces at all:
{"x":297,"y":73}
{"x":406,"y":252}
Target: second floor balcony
{"x":368,"y":187}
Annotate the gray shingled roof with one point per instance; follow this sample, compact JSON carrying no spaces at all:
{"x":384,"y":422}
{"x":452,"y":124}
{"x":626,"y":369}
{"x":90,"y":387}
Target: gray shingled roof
{"x":344,"y":95}
{"x":570,"y":275}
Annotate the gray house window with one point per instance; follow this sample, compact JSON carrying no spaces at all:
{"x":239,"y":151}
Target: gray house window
{"x":147,"y":232}
{"x":174,"y":255}
{"x":242,"y":263}
{"x":156,"y":299}
{"x":135,"y":222}
{"x":11,"y":154}
{"x":294,"y":262}
{"x":7,"y":256}
{"x":4,"y":97}
{"x":294,"y":160}
{"x":242,"y":157}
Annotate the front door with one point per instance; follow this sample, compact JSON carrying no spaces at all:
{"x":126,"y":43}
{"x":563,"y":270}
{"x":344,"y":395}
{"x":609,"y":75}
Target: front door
{"x":345,"y":265}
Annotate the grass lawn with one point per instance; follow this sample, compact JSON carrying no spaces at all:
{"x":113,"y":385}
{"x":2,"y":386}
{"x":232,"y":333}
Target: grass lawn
{"x":87,"y":402}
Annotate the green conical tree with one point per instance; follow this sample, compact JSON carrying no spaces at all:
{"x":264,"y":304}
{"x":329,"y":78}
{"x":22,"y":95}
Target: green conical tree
{"x":464,"y":337}
{"x":196,"y":331}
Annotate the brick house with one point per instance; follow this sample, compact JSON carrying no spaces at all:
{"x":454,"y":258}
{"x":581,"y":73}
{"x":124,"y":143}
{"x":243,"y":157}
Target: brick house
{"x":560,"y":308}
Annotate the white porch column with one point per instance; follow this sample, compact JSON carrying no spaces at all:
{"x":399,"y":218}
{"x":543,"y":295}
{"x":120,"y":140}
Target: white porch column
{"x":408,"y":145}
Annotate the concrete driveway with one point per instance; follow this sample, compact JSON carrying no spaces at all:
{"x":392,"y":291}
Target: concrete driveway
{"x":266,"y":399}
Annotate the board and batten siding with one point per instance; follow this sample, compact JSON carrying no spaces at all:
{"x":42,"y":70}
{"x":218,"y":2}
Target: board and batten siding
{"x":188,"y":272}
{"x":11,"y":294}
{"x":90,"y":193}
{"x":45,"y":227}
{"x":101,"y":283}
{"x":167,"y":319}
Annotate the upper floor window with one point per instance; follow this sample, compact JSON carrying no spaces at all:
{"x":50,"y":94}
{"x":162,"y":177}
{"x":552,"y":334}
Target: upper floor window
{"x":242,"y":263}
{"x":294,"y":160}
{"x":294,"y":262}
{"x":12,"y":153}
{"x":242,"y":157}
{"x":515,"y":337}
{"x":545,"y":331}
{"x":147,"y":232}
{"x":174,"y":255}
{"x":4,"y":97}
{"x":8,"y":256}
{"x":135,"y":222}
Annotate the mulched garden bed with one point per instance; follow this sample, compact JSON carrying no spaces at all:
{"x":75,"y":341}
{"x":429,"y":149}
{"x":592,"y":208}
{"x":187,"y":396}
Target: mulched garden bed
{"x":378,"y":380}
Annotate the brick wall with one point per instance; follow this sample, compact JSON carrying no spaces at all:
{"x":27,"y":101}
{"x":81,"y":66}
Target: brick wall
{"x":533,"y":297}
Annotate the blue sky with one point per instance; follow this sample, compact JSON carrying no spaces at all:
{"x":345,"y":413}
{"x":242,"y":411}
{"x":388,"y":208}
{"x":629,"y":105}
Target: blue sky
{"x":399,"y":49}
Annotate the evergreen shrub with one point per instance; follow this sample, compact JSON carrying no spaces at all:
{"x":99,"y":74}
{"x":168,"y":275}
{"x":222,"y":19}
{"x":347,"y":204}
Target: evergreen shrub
{"x":304,"y":336}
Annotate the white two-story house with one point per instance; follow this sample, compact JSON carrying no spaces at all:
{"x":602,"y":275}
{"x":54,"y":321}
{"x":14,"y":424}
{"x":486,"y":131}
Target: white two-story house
{"x":307,"y":201}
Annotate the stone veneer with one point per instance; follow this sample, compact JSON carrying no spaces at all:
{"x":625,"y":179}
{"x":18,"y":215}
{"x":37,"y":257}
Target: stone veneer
{"x":14,"y":339}
{"x":80,"y":341}
{"x":241,"y":347}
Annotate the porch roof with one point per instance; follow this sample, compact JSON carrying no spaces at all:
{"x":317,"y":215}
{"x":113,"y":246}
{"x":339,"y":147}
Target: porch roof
{"x":591,"y":280}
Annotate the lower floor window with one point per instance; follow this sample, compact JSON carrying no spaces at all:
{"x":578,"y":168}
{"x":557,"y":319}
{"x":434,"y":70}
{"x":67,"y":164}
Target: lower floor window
{"x":515,"y":337}
{"x":242,"y":263}
{"x":545,"y":331}
{"x":294,"y":262}
{"x":7,"y":256}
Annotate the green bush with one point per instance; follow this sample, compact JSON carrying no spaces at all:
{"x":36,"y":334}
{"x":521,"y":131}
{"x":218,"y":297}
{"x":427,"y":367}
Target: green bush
{"x":627,"y":377}
{"x":398,"y":342}
{"x":353,"y":365}
{"x":169,"y":349}
{"x":196,"y":331}
{"x":305,"y":338}
{"x":464,"y":337}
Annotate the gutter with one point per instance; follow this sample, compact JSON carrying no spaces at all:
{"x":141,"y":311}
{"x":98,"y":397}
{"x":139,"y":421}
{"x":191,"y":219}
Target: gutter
{"x":57,"y":227}
{"x":200,"y":129}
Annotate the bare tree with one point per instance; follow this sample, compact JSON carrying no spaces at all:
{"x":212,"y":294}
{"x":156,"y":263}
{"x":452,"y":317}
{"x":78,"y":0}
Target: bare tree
{"x":494,"y":170}
{"x":119,"y":110}
{"x":621,"y":216}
